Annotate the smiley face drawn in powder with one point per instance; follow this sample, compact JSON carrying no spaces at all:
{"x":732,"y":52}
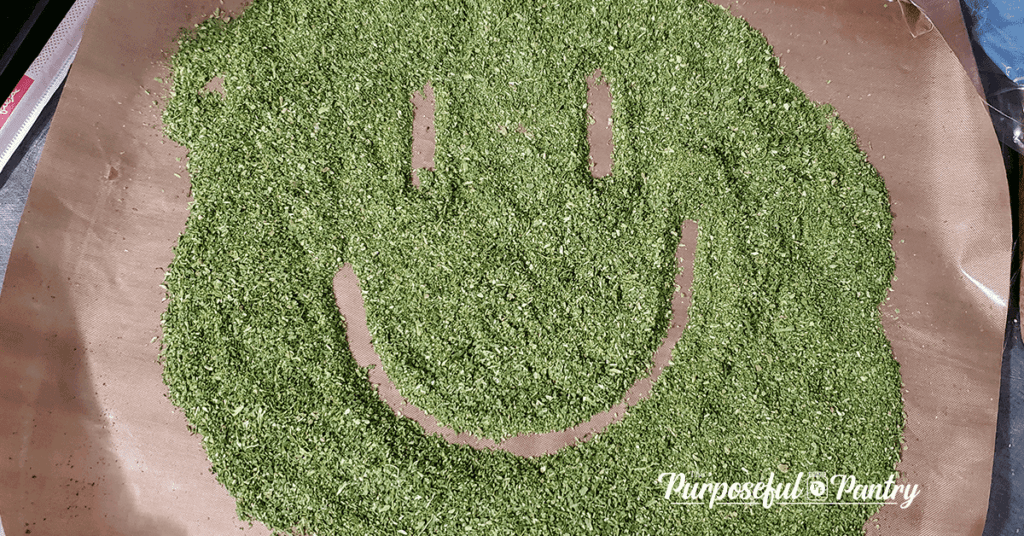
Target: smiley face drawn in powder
{"x":511,"y":275}
{"x":534,"y":357}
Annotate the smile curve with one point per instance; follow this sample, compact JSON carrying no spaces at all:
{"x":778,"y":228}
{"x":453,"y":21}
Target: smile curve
{"x":349,"y":298}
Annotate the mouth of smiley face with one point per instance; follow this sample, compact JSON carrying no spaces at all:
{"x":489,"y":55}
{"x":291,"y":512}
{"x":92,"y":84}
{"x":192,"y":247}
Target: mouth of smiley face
{"x":446,"y":415}
{"x":349,"y":298}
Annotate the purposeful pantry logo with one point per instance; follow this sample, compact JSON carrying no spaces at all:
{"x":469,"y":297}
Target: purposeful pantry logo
{"x":811,"y":488}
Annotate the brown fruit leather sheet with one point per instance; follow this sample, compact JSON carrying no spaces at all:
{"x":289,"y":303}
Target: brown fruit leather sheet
{"x":89,"y":443}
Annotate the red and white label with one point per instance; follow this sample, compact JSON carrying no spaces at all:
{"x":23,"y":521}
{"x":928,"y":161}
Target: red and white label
{"x":15,"y":97}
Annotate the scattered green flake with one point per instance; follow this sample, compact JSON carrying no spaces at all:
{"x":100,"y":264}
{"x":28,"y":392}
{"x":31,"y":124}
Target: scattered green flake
{"x":512,"y":292}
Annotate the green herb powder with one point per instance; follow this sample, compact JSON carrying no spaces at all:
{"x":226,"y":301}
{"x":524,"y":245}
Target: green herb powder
{"x":512,"y":292}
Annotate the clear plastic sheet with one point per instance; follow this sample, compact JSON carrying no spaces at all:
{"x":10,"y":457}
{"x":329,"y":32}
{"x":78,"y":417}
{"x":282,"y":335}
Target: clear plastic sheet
{"x":957,"y":21}
{"x":1004,"y":95}
{"x":917,"y":21}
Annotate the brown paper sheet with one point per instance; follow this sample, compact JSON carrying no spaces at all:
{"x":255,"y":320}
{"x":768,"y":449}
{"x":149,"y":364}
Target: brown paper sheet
{"x":89,"y":444}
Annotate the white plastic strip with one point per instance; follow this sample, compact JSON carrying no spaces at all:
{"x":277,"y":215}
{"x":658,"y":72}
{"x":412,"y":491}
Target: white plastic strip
{"x":21,"y":108}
